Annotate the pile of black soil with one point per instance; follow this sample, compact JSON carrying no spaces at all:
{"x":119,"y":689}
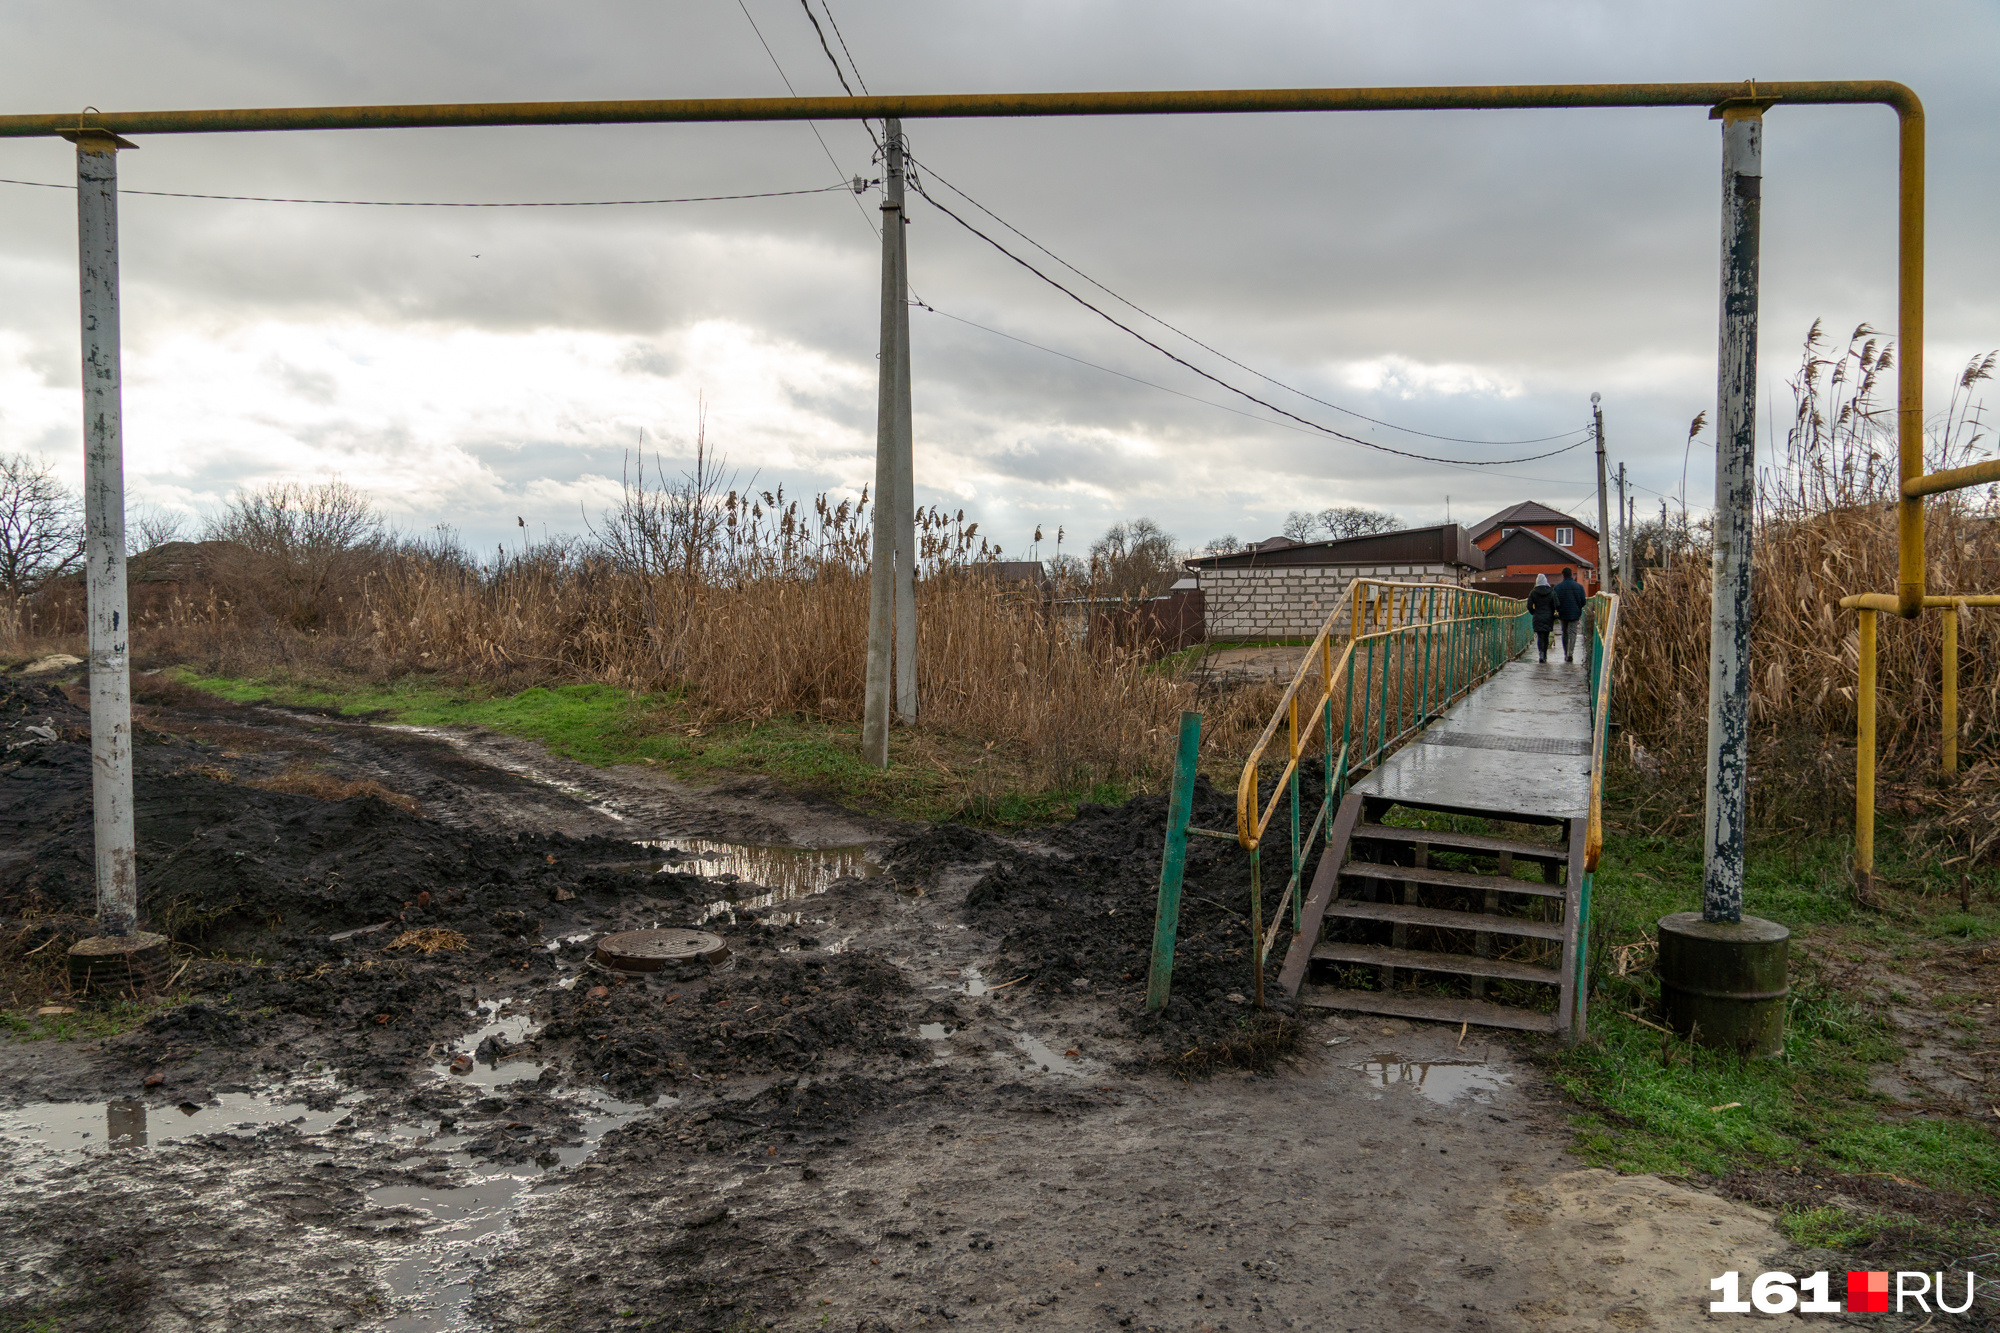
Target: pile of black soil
{"x":359,"y":936}
{"x":765,"y":1012}
{"x":1078,"y":919}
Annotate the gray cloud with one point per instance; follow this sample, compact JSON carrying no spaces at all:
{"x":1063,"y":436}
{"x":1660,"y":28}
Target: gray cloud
{"x":1547,"y":253}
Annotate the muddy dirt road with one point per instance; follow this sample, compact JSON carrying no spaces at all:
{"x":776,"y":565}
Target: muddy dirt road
{"x":399,"y":1094}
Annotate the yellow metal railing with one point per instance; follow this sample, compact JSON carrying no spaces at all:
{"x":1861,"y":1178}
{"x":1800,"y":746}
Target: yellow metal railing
{"x":1870,"y":605}
{"x":1412,"y":650}
{"x":1603,"y":656}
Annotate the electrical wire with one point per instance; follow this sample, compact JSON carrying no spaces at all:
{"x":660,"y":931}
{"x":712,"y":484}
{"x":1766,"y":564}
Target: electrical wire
{"x":842,"y":38}
{"x":838,"y":73}
{"x":786,"y":80}
{"x":1269,"y":379}
{"x":1213,"y":379}
{"x":439,"y":203}
{"x":1206,"y":402}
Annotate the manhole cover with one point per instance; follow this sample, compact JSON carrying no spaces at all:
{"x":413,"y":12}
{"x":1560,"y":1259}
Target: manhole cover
{"x":651,"y":950}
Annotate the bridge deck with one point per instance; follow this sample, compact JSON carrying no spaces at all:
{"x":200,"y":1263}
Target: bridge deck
{"x":1518,"y":745}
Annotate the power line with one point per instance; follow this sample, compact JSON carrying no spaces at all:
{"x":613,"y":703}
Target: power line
{"x":838,"y":73}
{"x":786,"y":80}
{"x":1213,"y":379}
{"x":1208,"y":402}
{"x":444,"y":203}
{"x":1348,"y":411}
{"x":843,"y":45}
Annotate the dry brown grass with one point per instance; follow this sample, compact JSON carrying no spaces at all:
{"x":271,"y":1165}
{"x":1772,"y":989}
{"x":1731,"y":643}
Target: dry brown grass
{"x":1826,"y":529}
{"x":301,"y":780}
{"x":431,"y":939}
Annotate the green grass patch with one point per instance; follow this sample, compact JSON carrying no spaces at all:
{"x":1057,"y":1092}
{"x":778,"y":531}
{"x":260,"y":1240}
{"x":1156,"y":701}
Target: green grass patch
{"x":1656,"y":1103}
{"x":90,"y":1021}
{"x":930,"y":776}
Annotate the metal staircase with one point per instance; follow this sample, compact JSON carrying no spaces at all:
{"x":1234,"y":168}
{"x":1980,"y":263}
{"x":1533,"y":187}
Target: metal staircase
{"x":1441,"y":923}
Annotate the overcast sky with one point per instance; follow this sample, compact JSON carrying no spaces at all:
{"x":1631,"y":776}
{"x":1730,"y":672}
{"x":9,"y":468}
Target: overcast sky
{"x":1463,"y":274}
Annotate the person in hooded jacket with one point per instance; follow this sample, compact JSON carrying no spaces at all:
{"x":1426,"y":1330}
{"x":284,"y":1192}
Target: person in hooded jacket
{"x":1542,"y":606}
{"x":1570,"y":601}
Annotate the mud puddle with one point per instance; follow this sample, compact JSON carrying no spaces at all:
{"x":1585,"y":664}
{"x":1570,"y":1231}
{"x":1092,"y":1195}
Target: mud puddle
{"x":760,"y":877}
{"x":48,"y":1134}
{"x":1440,"y":1081}
{"x":472,"y":1220}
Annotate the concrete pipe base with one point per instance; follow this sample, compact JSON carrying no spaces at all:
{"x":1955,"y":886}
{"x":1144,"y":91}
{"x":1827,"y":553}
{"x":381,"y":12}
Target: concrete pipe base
{"x":1725,"y":983}
{"x":119,"y":965}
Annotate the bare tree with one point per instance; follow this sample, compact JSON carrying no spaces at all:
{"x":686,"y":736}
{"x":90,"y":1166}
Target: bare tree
{"x":1227,"y":544}
{"x":1135,"y":559}
{"x":1355,"y":521}
{"x":297,"y":542}
{"x":41,"y":525}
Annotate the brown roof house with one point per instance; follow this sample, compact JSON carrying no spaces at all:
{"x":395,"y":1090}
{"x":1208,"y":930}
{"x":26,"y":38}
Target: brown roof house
{"x":1282,"y":589}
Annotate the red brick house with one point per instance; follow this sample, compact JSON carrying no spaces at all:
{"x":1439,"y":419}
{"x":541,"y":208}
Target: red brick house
{"x":1530,"y":538}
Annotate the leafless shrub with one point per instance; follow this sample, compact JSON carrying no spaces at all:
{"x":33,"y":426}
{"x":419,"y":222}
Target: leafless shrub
{"x":297,"y":546}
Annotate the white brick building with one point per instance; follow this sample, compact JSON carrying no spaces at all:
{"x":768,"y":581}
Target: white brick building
{"x":1285,"y":590}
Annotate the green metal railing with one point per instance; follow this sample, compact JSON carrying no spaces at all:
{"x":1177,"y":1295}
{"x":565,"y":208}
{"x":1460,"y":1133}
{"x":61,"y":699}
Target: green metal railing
{"x":1602,"y":617}
{"x":1411,"y":651}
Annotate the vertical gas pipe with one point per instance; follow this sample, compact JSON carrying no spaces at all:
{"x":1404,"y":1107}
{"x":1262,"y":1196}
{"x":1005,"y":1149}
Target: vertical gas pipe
{"x":906,"y":499}
{"x":1735,"y":505}
{"x":104,"y":534}
{"x":882,"y":551}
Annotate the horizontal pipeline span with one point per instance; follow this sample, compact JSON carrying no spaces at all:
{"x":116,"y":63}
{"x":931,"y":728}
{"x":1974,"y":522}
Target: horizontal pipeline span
{"x":962,"y":105}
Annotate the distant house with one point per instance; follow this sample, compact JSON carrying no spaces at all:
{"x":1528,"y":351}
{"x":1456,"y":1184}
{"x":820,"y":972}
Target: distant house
{"x":1530,"y":538}
{"x":1282,"y":589}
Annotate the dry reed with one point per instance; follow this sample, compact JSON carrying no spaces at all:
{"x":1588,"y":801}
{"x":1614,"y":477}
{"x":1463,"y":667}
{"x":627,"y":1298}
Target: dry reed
{"x":1826,"y":528}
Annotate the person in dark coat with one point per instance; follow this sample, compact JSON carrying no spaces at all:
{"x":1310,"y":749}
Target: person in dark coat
{"x":1570,"y":599}
{"x":1542,"y":606}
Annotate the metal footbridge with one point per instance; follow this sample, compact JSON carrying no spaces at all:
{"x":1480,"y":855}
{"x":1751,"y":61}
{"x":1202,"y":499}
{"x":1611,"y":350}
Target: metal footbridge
{"x":1445,"y":813}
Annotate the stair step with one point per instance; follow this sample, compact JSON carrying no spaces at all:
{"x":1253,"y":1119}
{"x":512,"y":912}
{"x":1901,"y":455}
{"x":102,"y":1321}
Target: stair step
{"x":1466,"y":842}
{"x":1449,"y":879}
{"x":1356,"y":910}
{"x":1420,"y":960}
{"x":1436,"y":1008}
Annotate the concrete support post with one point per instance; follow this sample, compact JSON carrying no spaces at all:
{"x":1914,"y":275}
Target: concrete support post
{"x":1735,"y":511}
{"x":906,"y":488}
{"x":104,"y":536}
{"x":888,"y":418}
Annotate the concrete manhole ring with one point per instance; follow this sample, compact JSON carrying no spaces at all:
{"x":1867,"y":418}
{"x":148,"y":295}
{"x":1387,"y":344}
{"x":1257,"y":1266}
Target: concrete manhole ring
{"x":651,"y":950}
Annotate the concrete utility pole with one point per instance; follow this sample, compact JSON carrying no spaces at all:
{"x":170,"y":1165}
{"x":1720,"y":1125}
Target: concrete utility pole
{"x":121,"y":956}
{"x":892,"y":557}
{"x":1603,"y":498}
{"x":104,"y":534}
{"x":1624,"y":562}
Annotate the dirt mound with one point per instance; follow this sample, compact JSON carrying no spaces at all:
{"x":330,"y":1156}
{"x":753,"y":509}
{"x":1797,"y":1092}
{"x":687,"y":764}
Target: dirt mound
{"x":1081,"y":920}
{"x":917,"y":860}
{"x":771,"y":1012}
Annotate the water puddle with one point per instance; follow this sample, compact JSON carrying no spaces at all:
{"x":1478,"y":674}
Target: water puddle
{"x":1048,"y":1059}
{"x":760,"y":877}
{"x":935,"y":1031}
{"x":506,"y":1029}
{"x":472,"y":1223}
{"x":49,"y":1133}
{"x":1440,"y":1081}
